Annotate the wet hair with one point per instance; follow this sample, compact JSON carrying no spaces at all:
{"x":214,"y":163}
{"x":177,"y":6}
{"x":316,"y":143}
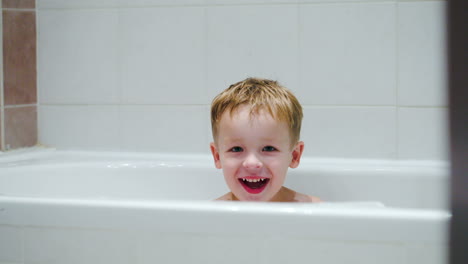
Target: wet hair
{"x":259,"y":94}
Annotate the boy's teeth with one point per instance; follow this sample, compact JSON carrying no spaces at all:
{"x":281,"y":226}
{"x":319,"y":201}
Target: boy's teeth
{"x":253,"y":180}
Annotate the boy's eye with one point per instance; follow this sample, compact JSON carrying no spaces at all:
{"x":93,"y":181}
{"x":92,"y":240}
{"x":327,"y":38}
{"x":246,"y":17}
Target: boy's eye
{"x":236,"y":149}
{"x":269,"y":148}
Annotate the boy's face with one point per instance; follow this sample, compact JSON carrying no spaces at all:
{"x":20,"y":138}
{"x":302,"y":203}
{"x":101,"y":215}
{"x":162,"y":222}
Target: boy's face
{"x":254,"y":153}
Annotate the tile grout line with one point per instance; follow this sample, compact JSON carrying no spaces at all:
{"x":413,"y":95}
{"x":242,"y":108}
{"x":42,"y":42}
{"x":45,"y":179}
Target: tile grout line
{"x":310,"y":106}
{"x":19,"y":106}
{"x":19,"y":9}
{"x":121,"y":46}
{"x":298,"y":47}
{"x":38,"y":96}
{"x":397,"y":84}
{"x":206,"y":52}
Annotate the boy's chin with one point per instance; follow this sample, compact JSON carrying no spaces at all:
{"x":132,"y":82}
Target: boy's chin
{"x":247,"y":197}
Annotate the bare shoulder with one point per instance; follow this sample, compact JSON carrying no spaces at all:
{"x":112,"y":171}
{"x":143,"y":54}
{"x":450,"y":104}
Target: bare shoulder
{"x":226,"y":197}
{"x":304,"y":198}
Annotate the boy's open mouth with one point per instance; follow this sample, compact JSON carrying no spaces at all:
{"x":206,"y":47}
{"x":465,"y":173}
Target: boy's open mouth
{"x":254,"y":185}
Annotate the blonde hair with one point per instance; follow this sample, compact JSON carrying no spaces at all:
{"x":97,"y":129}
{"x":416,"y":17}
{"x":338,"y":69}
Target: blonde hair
{"x":259,"y":94}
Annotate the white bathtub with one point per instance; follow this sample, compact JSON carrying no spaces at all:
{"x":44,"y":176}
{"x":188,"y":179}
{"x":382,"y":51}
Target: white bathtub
{"x":84,"y":207}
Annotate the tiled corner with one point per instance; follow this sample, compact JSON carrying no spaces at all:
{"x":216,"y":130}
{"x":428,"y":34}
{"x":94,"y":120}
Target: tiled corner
{"x":78,"y":56}
{"x":251,"y":41}
{"x":422,"y":133}
{"x":163,"y":55}
{"x":347,"y":54}
{"x":26,"y":4}
{"x":349,"y":132}
{"x":19,"y":57}
{"x":20,"y":127}
{"x":422,"y":54}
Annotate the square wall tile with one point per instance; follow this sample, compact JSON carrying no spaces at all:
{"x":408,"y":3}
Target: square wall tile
{"x":349,"y":132}
{"x":422,"y":54}
{"x":178,"y":129}
{"x":80,"y":127}
{"x":423,"y":133}
{"x":20,"y":127}
{"x":18,"y":3}
{"x":11,"y":245}
{"x":19,"y":57}
{"x":163,"y":53}
{"x":347,"y":54}
{"x":78,"y":56}
{"x":251,"y":41}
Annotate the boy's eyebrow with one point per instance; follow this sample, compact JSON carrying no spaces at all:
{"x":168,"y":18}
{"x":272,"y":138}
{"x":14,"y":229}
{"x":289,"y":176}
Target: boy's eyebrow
{"x":275,"y":141}
{"x":229,"y":139}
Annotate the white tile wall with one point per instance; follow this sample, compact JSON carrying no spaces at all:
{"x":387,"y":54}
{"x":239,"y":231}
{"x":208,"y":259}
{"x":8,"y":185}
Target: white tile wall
{"x":347,"y":54}
{"x":351,"y":132}
{"x":423,"y":133}
{"x":80,"y":127}
{"x":163,"y":52}
{"x":422,"y":54}
{"x":139,"y":75}
{"x":251,"y":41}
{"x":165,"y":128}
{"x":78,"y":57}
{"x":132,"y":128}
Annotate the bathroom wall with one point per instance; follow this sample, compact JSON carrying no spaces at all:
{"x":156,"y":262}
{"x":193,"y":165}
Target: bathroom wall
{"x":140,"y":75}
{"x":18,"y":99}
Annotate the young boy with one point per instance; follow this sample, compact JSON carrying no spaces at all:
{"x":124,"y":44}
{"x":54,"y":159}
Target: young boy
{"x":256,"y":125}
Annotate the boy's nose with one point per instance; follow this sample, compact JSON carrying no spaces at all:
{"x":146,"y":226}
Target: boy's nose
{"x":252,"y":162}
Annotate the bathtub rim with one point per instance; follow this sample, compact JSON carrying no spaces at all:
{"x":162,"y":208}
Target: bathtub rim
{"x":39,"y":156}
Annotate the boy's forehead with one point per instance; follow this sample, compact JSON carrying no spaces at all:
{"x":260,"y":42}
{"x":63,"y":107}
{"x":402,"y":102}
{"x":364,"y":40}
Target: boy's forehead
{"x":247,"y":111}
{"x":242,"y":120}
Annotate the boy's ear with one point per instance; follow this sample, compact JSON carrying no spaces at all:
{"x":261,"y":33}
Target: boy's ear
{"x":297,"y":154}
{"x":215,"y":153}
